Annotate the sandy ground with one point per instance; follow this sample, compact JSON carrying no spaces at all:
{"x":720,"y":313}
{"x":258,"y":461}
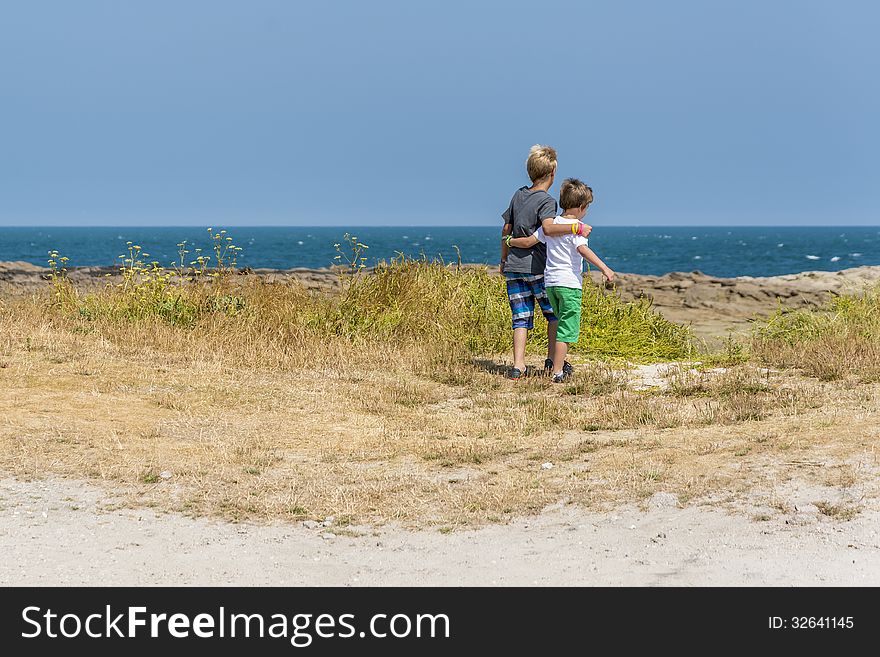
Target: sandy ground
{"x":58,"y":532}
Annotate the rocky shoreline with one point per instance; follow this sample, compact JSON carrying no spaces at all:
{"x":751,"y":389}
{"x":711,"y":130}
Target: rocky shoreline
{"x":713,"y":306}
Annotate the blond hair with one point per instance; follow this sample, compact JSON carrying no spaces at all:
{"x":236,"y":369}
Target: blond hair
{"x":574,"y":194}
{"x":541,"y":162}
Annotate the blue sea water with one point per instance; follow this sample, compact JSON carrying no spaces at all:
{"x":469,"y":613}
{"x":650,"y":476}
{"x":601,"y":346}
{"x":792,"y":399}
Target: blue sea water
{"x":718,"y":251}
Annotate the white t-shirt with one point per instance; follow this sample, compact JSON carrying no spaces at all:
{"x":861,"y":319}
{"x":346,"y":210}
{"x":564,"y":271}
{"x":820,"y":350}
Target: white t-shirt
{"x":564,"y":264}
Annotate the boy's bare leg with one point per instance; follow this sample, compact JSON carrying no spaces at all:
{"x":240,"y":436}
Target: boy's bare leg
{"x":520,"y":335}
{"x":559,"y":354}
{"x":551,"y":340}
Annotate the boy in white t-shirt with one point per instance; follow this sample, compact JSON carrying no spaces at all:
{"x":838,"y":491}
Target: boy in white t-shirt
{"x":563,"y":273}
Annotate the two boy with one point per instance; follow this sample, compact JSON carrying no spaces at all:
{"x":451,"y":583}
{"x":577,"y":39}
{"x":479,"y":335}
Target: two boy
{"x":541,"y":260}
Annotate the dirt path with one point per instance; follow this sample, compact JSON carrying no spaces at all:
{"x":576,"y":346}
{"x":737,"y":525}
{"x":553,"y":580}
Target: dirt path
{"x":55,"y":532}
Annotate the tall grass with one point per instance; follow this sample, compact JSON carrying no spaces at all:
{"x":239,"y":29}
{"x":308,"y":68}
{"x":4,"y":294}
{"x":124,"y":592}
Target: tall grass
{"x":840,"y":340}
{"x":422,"y":300}
{"x":404,"y":302}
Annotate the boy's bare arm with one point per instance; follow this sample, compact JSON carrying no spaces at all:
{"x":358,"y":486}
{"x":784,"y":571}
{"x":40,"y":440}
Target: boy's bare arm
{"x":506,"y":230}
{"x":590,"y":256}
{"x":555,"y":230}
{"x":522,"y":242}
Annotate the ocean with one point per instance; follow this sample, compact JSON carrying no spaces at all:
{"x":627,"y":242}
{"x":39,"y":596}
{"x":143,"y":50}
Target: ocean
{"x":718,"y":251}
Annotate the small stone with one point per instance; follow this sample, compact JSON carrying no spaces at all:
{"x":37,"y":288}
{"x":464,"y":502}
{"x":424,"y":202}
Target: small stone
{"x":329,"y":520}
{"x":806,"y":508}
{"x":165,"y":474}
{"x":546,"y":466}
{"x":663,"y":501}
{"x":801,"y":519}
{"x":311,"y":524}
{"x":328,"y":536}
{"x":632,"y":526}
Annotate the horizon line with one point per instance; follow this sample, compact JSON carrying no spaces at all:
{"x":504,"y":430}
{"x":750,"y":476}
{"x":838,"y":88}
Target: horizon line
{"x":225,"y":225}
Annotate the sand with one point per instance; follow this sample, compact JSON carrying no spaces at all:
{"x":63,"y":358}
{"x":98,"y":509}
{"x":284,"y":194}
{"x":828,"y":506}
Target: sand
{"x":56,"y":532}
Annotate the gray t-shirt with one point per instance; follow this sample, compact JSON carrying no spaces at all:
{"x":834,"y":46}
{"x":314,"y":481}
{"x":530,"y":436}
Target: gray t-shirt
{"x":526,"y":211}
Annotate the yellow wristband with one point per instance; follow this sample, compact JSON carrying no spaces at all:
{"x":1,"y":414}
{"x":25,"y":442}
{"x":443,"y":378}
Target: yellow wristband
{"x":507,"y":239}
{"x":574,"y":228}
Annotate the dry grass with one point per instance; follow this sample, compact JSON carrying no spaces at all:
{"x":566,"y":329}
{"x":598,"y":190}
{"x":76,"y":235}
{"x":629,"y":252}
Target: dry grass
{"x":252,"y":417}
{"x":840,"y":342}
{"x":837,"y":511}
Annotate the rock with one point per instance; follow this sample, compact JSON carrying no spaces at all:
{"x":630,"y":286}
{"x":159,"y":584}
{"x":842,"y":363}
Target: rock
{"x":311,"y":524}
{"x":165,"y":474}
{"x":328,"y":536}
{"x":329,"y":520}
{"x":663,"y":501}
{"x":21,"y":266}
{"x":546,"y":466}
{"x":799,"y":518}
{"x":806,"y":508}
{"x":752,"y":291}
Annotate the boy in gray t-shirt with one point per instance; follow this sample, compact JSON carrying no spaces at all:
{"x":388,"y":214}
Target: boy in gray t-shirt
{"x":531,"y":208}
{"x":527,"y":209}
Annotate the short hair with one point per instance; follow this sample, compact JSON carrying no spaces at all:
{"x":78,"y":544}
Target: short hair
{"x":541,"y":162}
{"x":574,"y":193}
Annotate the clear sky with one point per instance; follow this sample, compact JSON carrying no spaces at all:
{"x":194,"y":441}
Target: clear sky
{"x":265,"y":112}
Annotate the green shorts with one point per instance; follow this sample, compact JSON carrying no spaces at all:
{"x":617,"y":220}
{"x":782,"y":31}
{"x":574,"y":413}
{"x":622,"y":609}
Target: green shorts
{"x":566,"y":302}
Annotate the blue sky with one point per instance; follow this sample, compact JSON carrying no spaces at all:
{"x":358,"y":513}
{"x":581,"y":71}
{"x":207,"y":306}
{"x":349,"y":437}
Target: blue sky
{"x":345,"y":113}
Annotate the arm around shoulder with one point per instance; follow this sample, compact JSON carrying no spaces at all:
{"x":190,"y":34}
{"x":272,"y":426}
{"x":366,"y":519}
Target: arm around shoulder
{"x":555,"y":230}
{"x":523,"y":242}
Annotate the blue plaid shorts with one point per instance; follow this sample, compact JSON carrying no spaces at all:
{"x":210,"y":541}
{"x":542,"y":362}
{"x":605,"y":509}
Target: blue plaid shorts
{"x":522,"y":291}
